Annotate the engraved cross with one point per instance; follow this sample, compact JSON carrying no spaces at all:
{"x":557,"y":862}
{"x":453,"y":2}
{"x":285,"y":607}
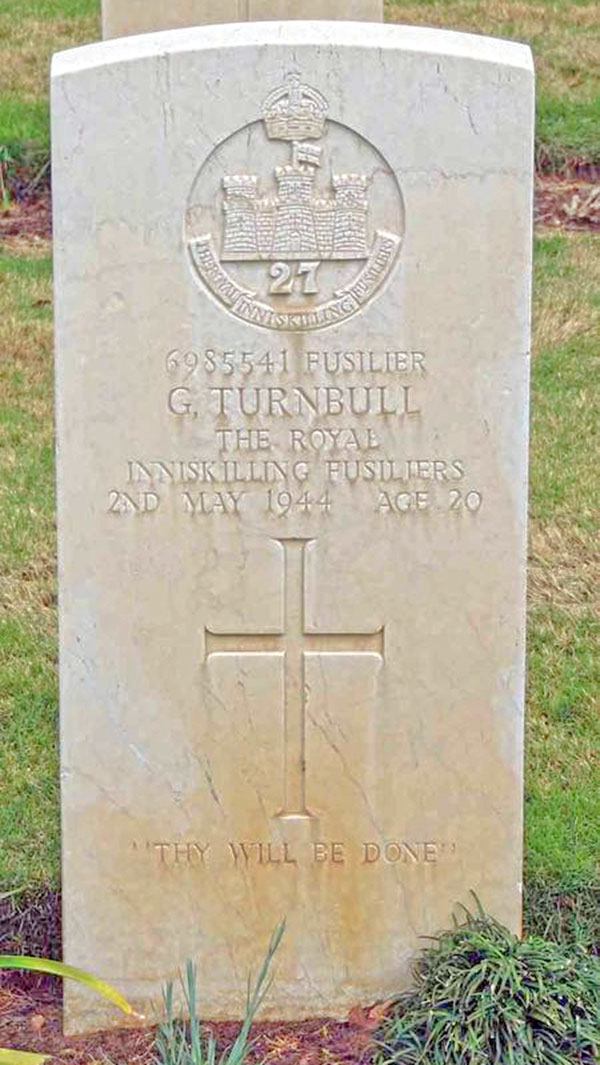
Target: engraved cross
{"x":293,"y":644}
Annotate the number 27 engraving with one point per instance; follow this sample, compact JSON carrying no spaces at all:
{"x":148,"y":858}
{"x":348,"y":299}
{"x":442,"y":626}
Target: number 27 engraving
{"x":285,"y":276}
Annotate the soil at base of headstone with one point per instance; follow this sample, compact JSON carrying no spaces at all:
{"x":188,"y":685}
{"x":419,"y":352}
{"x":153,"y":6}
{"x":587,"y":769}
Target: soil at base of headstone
{"x":31,"y":1020}
{"x":29,"y":218}
{"x":567,"y":202}
{"x":31,"y":1009}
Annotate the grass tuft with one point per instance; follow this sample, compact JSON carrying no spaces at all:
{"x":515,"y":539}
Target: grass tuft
{"x":569,"y":914}
{"x":484,"y":997}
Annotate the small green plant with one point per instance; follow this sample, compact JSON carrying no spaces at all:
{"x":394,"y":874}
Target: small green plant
{"x":55,"y":968}
{"x":183,"y":1042}
{"x":483,"y":996}
{"x":5,"y":159}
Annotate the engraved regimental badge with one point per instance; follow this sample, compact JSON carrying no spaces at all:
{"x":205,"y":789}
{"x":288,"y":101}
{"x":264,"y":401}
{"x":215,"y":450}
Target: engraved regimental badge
{"x":294,"y":222}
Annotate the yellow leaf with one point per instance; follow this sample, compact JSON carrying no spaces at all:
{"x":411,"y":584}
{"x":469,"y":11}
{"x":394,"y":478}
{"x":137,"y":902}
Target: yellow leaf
{"x":20,"y":1057}
{"x":58,"y":968}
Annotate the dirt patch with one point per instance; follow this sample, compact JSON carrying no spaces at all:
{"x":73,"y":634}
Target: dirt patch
{"x":31,"y":1009}
{"x":568,"y":203}
{"x":30,"y":218}
{"x":32,"y":1021}
{"x":30,"y":923}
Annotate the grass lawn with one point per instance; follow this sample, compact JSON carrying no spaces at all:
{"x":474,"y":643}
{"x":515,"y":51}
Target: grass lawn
{"x":565,"y":37}
{"x":563,"y":737}
{"x":28,"y":762}
{"x":30,"y":31}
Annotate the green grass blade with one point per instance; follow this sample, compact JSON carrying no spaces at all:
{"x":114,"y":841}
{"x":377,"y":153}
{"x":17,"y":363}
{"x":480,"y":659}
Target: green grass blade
{"x":21,"y":1057}
{"x":58,"y":968}
{"x":255,"y":998}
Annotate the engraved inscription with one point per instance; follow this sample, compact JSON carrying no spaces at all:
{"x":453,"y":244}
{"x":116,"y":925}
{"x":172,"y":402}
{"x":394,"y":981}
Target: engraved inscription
{"x":262,"y":853}
{"x":247,"y":853}
{"x":332,"y":417}
{"x":209,"y":360}
{"x":285,"y":277}
{"x":182,"y":853}
{"x":295,"y":243}
{"x":293,"y":644}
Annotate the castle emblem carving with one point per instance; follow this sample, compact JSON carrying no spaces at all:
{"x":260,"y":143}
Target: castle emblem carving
{"x":296,"y":223}
{"x":288,"y":236}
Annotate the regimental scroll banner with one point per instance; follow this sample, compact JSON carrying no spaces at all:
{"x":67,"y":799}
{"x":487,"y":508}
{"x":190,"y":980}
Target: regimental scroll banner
{"x":344,"y":303}
{"x":298,"y":245}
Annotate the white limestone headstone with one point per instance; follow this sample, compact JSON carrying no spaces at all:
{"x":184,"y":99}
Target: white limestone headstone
{"x":292,"y":329}
{"x":123,"y":17}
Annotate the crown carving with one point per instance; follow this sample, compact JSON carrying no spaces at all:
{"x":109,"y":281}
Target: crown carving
{"x":295,"y":112}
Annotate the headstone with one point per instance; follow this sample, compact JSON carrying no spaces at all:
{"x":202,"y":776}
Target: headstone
{"x":292,"y":322}
{"x":124,"y":17}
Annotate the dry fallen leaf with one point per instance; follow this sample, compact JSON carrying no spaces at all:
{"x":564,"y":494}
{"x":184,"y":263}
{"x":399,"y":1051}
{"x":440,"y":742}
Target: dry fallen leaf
{"x":379,"y":1010}
{"x":360,"y":1019}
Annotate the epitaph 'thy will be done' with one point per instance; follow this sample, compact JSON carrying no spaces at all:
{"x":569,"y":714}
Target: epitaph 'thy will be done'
{"x":292,"y":289}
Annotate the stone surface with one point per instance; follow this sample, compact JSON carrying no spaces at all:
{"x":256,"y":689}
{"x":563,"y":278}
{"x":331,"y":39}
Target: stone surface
{"x":292,"y":321}
{"x":123,"y":17}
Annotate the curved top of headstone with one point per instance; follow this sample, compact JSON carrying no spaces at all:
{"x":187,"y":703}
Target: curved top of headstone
{"x":412,"y":39}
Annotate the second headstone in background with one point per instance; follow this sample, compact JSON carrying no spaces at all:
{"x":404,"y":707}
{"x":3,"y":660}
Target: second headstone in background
{"x":121,"y":18}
